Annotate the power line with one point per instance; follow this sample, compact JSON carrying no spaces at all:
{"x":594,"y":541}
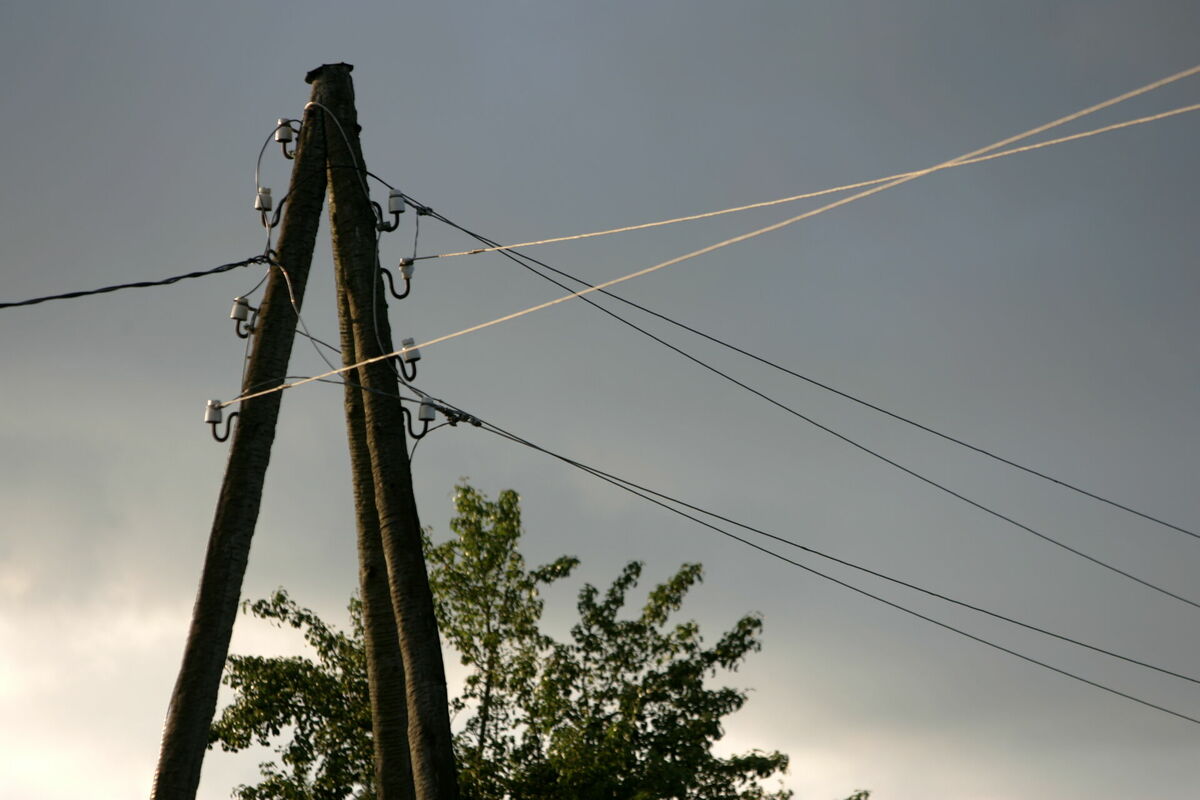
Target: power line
{"x":645,"y":494}
{"x":743,"y":237}
{"x":300,"y":318}
{"x":852,"y":442}
{"x":496,"y":247}
{"x":520,"y":259}
{"x":352,"y":384}
{"x":268,"y":222}
{"x":261,"y":259}
{"x":857,"y":567}
{"x":321,"y":342}
{"x":814,"y":212}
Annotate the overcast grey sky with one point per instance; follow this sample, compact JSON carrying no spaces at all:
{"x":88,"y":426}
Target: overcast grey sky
{"x":1043,"y":306}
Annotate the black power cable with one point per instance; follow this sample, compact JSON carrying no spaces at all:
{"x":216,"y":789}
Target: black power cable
{"x":997,"y":514}
{"x":262,"y":259}
{"x":646,"y":494}
{"x":819,"y":384}
{"x":813,"y":551}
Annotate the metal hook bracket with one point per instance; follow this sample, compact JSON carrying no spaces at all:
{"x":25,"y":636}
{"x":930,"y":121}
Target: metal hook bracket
{"x":409,"y":424}
{"x":395,"y":208}
{"x":392,"y":284}
{"x":284,"y":134}
{"x":213,"y":414}
{"x":228,"y":424}
{"x":244,"y":317}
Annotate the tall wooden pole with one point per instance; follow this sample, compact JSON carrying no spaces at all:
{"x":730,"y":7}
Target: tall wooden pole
{"x":385,"y":663}
{"x":194,"y":699}
{"x":354,"y":247}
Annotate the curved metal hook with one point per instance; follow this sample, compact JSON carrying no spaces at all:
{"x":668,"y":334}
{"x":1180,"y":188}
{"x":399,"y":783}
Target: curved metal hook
{"x":380,"y":224}
{"x":408,"y":424}
{"x":228,"y":425}
{"x":392,"y":285}
{"x":284,"y":134}
{"x":243,"y":329}
{"x":408,"y":369}
{"x":244,"y":317}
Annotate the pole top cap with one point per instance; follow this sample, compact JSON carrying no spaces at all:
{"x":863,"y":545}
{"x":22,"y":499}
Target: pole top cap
{"x":319,"y":71}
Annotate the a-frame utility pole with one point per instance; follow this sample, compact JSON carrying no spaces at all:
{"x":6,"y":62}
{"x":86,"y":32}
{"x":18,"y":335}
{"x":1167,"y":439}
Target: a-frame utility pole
{"x":194,"y":699}
{"x":410,"y":713}
{"x":364,"y":318}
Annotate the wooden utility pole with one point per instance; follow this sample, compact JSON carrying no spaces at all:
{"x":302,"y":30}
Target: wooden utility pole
{"x":194,"y":699}
{"x":385,"y":663}
{"x":364,"y":315}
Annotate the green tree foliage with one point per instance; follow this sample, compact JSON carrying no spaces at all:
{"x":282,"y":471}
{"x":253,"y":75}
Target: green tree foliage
{"x":488,"y":609}
{"x":623,"y":710}
{"x":323,"y":705}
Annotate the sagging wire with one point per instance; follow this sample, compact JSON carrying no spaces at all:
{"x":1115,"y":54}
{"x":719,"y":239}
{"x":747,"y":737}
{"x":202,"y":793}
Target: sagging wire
{"x":665,"y":501}
{"x":908,"y":177}
{"x":33,"y":301}
{"x":844,"y":438}
{"x":299,"y":317}
{"x":283,"y":133}
{"x":406,"y":264}
{"x":526,"y":261}
{"x":245,"y":316}
{"x":413,"y":452}
{"x":496,"y":247}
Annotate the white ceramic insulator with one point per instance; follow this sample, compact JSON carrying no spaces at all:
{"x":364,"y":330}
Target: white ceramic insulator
{"x":408,"y":352}
{"x":283,"y":130}
{"x":240,"y":310}
{"x":262,"y":201}
{"x":395,"y":202}
{"x":406,"y":270}
{"x":212,"y":412}
{"x":427,"y":412}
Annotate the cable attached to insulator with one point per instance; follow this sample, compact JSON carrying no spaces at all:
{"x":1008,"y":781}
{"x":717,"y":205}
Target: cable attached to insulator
{"x":406,"y":272}
{"x":213,"y":414}
{"x":263,"y":205}
{"x":426,"y":414}
{"x":395,"y":208}
{"x":409,"y":356}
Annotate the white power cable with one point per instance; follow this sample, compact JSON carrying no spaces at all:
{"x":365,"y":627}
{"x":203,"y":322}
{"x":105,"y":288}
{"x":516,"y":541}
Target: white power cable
{"x":905,"y":178}
{"x":822,"y":192}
